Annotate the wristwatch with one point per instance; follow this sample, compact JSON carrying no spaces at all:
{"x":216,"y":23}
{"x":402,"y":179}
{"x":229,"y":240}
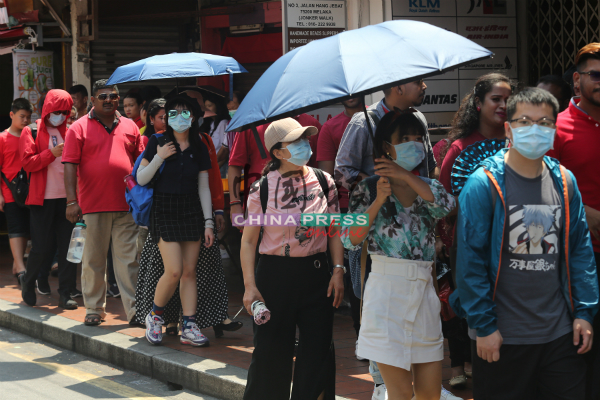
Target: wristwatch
{"x":340,"y":266}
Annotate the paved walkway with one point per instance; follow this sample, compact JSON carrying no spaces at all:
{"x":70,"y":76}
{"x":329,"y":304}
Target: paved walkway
{"x":235,"y":348}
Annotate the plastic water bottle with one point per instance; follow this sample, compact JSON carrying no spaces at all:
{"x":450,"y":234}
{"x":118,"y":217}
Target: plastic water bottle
{"x":75,"y":253}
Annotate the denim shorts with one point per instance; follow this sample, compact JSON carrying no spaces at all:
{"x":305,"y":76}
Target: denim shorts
{"x":17,"y":220}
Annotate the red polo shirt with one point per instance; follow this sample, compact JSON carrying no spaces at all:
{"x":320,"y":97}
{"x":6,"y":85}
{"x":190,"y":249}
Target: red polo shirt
{"x":244,"y":151}
{"x":105,"y":155}
{"x":576,"y":147}
{"x":10,"y":162}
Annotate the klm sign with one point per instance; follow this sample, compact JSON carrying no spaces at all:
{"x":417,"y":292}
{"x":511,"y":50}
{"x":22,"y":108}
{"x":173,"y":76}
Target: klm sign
{"x":424,"y":3}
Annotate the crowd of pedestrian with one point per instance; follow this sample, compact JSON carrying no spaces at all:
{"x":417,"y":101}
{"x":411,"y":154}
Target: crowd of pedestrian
{"x":521,"y":237}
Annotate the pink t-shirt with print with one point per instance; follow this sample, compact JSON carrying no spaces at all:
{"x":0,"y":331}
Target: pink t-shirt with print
{"x":55,"y":184}
{"x":294,"y":195}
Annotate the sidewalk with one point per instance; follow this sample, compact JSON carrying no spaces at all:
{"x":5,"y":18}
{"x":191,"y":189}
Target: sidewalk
{"x":219,"y":370}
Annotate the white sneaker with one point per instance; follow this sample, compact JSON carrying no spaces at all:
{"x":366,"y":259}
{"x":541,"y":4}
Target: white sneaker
{"x":380,"y":393}
{"x":191,"y":335}
{"x":359,"y":358}
{"x":447,"y":395}
{"x":154,"y":325}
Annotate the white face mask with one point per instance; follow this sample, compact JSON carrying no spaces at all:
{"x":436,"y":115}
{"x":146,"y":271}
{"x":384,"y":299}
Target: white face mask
{"x":56,"y":120}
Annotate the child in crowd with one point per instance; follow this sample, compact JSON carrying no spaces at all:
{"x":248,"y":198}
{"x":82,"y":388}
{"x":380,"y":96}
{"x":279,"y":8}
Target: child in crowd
{"x":17,"y":217}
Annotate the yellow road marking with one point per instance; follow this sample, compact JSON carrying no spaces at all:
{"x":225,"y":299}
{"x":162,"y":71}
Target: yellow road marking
{"x":90,"y":379}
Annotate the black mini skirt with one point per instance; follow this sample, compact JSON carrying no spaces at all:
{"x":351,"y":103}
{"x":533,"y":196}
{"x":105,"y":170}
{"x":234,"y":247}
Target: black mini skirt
{"x":177,"y":217}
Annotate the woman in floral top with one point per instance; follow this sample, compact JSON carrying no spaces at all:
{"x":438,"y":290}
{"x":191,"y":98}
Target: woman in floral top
{"x":401,"y":326}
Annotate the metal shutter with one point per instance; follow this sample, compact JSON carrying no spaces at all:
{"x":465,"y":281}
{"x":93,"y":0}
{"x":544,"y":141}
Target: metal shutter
{"x":119,"y":45}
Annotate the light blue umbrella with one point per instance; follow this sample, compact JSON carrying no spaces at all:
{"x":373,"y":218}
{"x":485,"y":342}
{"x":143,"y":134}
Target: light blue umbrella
{"x":353,"y":63}
{"x":177,"y":65}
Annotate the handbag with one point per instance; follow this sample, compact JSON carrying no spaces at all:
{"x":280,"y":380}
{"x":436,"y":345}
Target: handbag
{"x":19,"y":187}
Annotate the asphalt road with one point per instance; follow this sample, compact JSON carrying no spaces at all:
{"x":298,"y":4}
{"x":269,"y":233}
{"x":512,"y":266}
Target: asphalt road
{"x":31,"y":369}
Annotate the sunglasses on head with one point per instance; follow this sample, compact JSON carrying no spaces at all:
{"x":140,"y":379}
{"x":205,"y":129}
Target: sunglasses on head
{"x":184,"y":113}
{"x":594,"y":75}
{"x":104,"y":96}
{"x":61,"y":112}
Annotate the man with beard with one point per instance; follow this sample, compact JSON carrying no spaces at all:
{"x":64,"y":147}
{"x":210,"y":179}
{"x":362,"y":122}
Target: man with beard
{"x":576,"y":147}
{"x":100,"y":149}
{"x":355,"y":161}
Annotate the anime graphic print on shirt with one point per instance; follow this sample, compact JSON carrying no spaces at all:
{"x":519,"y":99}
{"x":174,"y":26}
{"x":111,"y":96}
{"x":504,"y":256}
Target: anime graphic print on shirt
{"x":534,"y":232}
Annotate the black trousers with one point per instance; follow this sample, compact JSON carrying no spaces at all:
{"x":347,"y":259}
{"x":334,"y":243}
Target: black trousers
{"x":592,"y":358}
{"x":459,"y":343}
{"x":549,"y":371}
{"x":50,"y":230}
{"x":295,"y":291}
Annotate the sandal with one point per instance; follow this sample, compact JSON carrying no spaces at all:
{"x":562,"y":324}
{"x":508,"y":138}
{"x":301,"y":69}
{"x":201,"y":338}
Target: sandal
{"x":92,"y":320}
{"x":172,"y":330}
{"x":18,"y":276}
{"x":458,"y":381}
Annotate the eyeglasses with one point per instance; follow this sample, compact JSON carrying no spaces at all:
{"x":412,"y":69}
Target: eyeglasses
{"x":104,"y":96}
{"x":184,"y":113}
{"x":66,"y":112}
{"x":526,"y":122}
{"x":594,"y":75}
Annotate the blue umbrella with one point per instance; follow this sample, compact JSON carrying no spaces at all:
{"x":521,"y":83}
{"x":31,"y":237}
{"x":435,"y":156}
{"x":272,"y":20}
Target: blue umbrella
{"x":353,"y":63}
{"x":177,"y":65}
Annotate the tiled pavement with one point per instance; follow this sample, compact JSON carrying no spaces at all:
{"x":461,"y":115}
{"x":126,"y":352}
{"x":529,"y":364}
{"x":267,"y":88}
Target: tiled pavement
{"x":235,"y":348}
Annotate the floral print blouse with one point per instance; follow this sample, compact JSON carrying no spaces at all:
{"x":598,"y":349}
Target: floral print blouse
{"x":410,"y":234}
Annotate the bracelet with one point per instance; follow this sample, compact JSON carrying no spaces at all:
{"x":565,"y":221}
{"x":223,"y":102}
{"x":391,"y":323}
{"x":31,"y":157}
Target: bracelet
{"x":72,"y":203}
{"x":233,"y":203}
{"x":219,"y":212}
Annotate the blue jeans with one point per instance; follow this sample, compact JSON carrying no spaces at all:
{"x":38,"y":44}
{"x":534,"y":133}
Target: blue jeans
{"x":375,"y":374}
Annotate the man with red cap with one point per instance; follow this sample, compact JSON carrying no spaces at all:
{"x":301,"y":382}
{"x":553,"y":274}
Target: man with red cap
{"x":41,"y":157}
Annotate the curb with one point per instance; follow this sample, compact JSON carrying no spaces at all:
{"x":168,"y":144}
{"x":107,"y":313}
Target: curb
{"x":198,"y":374}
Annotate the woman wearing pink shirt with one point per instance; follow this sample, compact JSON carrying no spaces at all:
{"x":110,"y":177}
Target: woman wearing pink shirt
{"x":293,"y":277}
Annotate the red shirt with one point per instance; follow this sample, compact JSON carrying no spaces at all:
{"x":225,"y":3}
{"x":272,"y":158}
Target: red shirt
{"x":145,"y":140}
{"x":453,"y":152}
{"x":138,"y":121}
{"x":576,"y":146}
{"x":244,"y":151}
{"x":329,"y":143}
{"x":10,"y":162}
{"x":104,"y":159}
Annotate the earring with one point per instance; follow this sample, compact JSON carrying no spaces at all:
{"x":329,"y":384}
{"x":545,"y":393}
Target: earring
{"x":151,"y":123}
{"x":478,"y":108}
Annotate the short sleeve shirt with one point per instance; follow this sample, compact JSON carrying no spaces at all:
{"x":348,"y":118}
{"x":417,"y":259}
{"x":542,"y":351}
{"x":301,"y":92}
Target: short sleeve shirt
{"x":180,"y":174}
{"x":294,"y":195}
{"x":10,"y":161}
{"x":530,"y":305}
{"x":104,"y":159}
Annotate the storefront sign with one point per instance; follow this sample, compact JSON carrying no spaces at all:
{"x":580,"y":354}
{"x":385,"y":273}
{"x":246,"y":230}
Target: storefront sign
{"x":32,"y":76}
{"x":489,"y":23}
{"x":305,"y":21}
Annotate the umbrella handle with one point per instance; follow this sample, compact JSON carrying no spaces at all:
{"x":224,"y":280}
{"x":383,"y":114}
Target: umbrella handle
{"x":230,"y":84}
{"x":391,"y":209}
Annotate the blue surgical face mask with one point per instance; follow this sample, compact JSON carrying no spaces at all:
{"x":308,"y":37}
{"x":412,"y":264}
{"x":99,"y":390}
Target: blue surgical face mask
{"x":409,"y":154}
{"x":300,"y":152}
{"x":232,"y":113}
{"x":180,"y":124}
{"x":56,"y":120}
{"x":532,"y":141}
